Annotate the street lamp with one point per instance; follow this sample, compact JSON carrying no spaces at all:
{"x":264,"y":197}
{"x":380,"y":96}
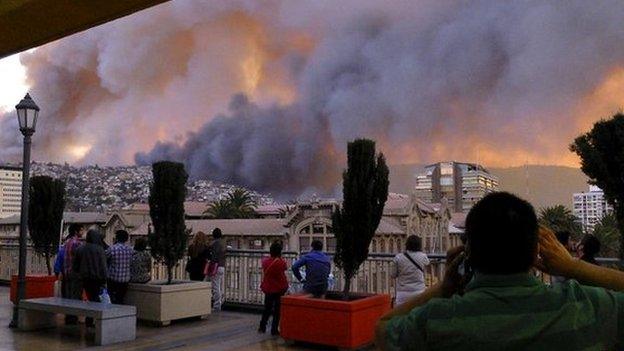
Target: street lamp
{"x":27,"y":113}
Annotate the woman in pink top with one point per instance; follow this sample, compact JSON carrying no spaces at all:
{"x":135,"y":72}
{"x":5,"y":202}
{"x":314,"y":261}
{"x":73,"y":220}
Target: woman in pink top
{"x":274,"y":286}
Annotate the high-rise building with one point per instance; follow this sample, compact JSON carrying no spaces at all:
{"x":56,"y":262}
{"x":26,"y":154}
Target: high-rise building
{"x":10,"y":190}
{"x":461,"y":184}
{"x":590,"y":207}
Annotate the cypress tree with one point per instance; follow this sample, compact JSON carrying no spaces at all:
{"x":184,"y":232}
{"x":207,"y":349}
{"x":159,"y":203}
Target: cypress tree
{"x":45,"y":214}
{"x":166,"y":201}
{"x":365,"y":191}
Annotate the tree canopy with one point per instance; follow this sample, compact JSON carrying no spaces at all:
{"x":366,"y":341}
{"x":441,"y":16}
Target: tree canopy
{"x":607,"y":232}
{"x":560,"y":218}
{"x":602,"y":159}
{"x":239,"y":203}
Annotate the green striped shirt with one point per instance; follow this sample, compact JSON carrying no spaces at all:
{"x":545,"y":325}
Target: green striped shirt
{"x":514,"y":312}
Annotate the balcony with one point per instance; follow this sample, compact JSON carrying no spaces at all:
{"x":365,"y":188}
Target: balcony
{"x":244,"y":273}
{"x":228,"y":330}
{"x":231,"y":329}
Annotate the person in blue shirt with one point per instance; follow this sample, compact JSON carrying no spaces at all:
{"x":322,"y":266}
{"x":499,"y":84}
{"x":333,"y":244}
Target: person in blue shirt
{"x":317,"y":267}
{"x":58,"y":263}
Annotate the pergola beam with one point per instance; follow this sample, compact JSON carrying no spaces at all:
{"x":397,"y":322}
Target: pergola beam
{"x":25,"y":24}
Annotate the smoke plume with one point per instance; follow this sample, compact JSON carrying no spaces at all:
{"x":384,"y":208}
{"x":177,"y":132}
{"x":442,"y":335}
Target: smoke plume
{"x":267,"y":94}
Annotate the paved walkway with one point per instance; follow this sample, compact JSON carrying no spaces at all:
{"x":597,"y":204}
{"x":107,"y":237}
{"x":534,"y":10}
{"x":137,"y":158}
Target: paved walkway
{"x":224,"y":331}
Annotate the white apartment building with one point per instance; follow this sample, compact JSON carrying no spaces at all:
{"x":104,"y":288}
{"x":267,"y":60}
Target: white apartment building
{"x":461,"y":184}
{"x":589,"y":207}
{"x":10,"y":191}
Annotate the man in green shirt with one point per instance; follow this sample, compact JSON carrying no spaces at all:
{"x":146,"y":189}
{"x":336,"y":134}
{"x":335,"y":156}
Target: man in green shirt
{"x":504,"y":307}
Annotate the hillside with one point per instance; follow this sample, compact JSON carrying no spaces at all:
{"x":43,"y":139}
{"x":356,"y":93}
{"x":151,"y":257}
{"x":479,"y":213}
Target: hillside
{"x":546,"y":185}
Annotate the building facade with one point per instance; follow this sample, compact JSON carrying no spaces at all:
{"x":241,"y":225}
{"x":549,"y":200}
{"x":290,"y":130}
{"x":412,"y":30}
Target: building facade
{"x":589,"y":207}
{"x":299,"y":224}
{"x":460,"y":184}
{"x":10,"y":191}
{"x":10,"y":226}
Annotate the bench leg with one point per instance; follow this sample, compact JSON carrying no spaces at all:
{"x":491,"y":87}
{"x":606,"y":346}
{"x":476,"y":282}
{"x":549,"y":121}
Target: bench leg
{"x":32,"y":320}
{"x":110,"y":331}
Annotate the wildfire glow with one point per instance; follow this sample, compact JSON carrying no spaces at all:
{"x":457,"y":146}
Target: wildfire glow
{"x":78,"y":152}
{"x":252,"y":72}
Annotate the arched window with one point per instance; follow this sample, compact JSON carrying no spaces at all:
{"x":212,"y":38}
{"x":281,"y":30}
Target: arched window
{"x":382,"y":245}
{"x":316,"y":231}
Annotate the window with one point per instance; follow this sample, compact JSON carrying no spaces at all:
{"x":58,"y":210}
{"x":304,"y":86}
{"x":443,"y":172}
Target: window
{"x":304,"y":244}
{"x":255,"y":244}
{"x":331,"y":244}
{"x":316,"y":231}
{"x":233,"y":243}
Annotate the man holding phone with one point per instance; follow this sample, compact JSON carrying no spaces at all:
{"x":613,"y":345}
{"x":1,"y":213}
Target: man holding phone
{"x":504,"y":307}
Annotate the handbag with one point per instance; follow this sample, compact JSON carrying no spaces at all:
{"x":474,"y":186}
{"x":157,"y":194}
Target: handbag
{"x":211,"y":268}
{"x":414,"y":262}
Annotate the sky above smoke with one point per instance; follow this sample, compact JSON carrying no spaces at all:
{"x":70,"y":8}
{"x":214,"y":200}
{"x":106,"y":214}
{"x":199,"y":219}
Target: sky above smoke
{"x":267,"y":94}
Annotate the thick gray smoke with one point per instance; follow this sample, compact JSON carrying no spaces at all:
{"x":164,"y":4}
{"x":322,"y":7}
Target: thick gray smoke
{"x":268,"y":95}
{"x":270,"y":149}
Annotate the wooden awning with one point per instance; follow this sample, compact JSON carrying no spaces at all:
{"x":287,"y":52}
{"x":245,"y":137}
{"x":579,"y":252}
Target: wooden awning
{"x":25,"y":24}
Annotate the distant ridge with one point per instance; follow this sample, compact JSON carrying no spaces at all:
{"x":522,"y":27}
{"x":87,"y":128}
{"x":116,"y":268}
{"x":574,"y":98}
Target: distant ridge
{"x":547,"y":185}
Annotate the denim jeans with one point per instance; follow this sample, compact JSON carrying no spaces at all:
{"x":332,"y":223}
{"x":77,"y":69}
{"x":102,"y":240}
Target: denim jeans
{"x":217,"y":289}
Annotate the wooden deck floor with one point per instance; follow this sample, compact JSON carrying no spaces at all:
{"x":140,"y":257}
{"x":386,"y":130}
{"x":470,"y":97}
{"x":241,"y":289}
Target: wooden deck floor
{"x":223,"y":331}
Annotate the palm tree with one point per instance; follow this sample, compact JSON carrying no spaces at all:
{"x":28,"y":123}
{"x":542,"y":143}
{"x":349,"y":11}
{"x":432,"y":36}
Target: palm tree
{"x":243,"y":203}
{"x":560,"y":218}
{"x":607,"y":232}
{"x":285,"y":210}
{"x":239,"y":203}
{"x":220,"y":209}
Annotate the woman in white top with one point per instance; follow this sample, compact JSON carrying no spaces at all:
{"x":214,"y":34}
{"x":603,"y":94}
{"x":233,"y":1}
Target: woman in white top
{"x":409,"y":270}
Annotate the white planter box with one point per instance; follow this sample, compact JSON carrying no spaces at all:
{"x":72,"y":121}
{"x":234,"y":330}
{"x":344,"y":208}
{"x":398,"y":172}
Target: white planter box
{"x":161,"y":303}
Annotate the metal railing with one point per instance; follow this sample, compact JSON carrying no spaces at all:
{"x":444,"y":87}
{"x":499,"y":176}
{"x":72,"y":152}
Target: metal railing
{"x":243,"y":273}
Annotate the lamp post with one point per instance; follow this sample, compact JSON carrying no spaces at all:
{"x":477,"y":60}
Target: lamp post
{"x":27,"y":113}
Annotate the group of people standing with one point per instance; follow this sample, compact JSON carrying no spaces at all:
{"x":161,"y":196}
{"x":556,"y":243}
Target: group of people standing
{"x":206,"y":261}
{"x":92,"y":268}
{"x":408,"y":269}
{"x":275,"y":284}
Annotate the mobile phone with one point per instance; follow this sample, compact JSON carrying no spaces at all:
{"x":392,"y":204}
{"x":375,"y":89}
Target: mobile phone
{"x":464,"y":269}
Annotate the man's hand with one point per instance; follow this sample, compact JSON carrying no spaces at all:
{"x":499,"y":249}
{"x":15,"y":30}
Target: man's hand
{"x":554,"y":258}
{"x":453,"y":281}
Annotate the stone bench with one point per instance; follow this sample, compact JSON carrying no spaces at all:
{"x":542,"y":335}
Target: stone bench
{"x":113,"y":323}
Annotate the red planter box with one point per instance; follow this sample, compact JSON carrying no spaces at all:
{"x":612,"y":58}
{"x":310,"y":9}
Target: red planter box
{"x":342,"y":324}
{"x":36,"y":286}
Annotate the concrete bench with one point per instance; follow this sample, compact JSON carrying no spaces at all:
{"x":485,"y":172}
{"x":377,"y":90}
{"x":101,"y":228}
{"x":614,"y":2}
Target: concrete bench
{"x":113,"y":323}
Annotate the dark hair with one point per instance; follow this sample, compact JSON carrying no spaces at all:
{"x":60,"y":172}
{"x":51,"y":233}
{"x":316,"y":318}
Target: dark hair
{"x":140,"y":244}
{"x":591,"y":246}
{"x":413,"y":243}
{"x":121,"y":236}
{"x":276,"y":249}
{"x":317,"y":245}
{"x":563,"y":236}
{"x":94,"y":237}
{"x":216,"y":233}
{"x":501,"y":232}
{"x":74,"y":229}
